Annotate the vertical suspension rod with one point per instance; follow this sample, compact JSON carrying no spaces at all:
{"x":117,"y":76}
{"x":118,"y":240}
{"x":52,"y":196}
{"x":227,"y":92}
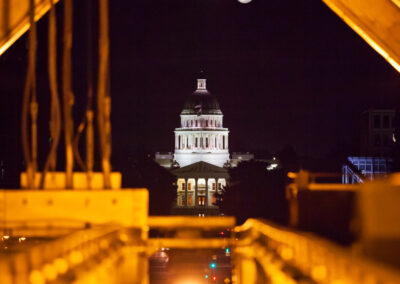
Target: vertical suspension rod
{"x":68,"y":97}
{"x":29,"y":104}
{"x":55,"y":114}
{"x":103,"y":97}
{"x":89,"y":110}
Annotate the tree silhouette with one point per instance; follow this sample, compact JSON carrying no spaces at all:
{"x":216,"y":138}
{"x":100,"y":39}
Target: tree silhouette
{"x":145,"y":172}
{"x":253,"y":191}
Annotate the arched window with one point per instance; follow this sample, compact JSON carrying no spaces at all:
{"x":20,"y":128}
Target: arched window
{"x":207,"y":142}
{"x":196,"y":142}
{"x":223,"y":142}
{"x":179,"y":142}
{"x":206,"y":123}
{"x":196,"y":123}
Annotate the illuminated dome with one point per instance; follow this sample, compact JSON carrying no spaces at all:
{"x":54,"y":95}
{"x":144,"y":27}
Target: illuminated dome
{"x":201,"y":101}
{"x":201,"y":136}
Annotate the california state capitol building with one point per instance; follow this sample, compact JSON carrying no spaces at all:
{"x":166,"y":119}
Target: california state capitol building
{"x":201,"y":154}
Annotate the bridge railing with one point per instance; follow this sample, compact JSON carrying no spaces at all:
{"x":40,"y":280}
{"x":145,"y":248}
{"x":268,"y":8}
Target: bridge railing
{"x":290,"y":257}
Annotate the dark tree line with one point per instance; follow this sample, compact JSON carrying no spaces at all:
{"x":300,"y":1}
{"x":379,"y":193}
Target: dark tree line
{"x":255,"y":192}
{"x":144,"y":172}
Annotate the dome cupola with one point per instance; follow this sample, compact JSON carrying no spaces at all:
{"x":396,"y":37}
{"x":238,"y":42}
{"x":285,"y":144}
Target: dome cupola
{"x":201,"y":101}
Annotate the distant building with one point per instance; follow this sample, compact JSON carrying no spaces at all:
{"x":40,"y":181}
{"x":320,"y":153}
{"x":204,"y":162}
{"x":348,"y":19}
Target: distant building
{"x":164,"y":159}
{"x":377,"y":132}
{"x":377,"y":129}
{"x":238,"y":157}
{"x":361,"y":169}
{"x":201,"y":154}
{"x":201,"y":136}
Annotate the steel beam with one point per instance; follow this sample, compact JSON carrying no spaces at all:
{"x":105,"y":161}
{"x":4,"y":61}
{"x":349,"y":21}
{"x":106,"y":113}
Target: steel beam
{"x":376,"y":21}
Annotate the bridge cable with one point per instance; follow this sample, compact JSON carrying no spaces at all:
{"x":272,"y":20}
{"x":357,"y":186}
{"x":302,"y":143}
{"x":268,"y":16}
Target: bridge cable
{"x":29,"y":104}
{"x":55,"y":115}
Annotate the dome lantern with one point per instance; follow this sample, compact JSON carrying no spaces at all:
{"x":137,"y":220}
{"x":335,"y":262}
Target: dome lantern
{"x":201,"y":84}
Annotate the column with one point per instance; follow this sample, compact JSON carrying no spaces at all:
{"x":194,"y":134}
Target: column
{"x":226,"y":142}
{"x":206,"y":202}
{"x":195,"y":193}
{"x":186,"y":193}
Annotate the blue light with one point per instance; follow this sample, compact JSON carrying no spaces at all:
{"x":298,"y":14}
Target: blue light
{"x":227,"y":250}
{"x":206,"y":276}
{"x":213,"y":265}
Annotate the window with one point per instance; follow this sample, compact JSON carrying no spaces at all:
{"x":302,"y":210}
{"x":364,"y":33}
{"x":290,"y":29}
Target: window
{"x":385,"y":141}
{"x":206,"y":142}
{"x":190,"y":199}
{"x":213,"y":199}
{"x":213,"y":186}
{"x":223,"y":142}
{"x":183,"y":186}
{"x":377,"y":140}
{"x":179,"y":142}
{"x":196,"y":142}
{"x":189,"y":185}
{"x":219,"y":185}
{"x":385,"y":121}
{"x":377,"y":121}
{"x":202,"y":200}
{"x":206,"y":123}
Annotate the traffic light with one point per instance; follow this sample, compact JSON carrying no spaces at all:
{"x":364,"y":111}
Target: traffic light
{"x":214,"y":278}
{"x":213,"y":265}
{"x":227,"y":250}
{"x":206,"y":276}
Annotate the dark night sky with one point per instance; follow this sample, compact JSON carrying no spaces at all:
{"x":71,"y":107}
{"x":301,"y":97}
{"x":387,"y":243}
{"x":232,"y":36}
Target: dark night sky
{"x":284,"y":72}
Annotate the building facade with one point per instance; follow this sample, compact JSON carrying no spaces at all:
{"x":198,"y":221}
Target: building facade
{"x":362,"y":169}
{"x":377,"y":129}
{"x":201,"y":135}
{"x":377,"y":138}
{"x":201,"y":154}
